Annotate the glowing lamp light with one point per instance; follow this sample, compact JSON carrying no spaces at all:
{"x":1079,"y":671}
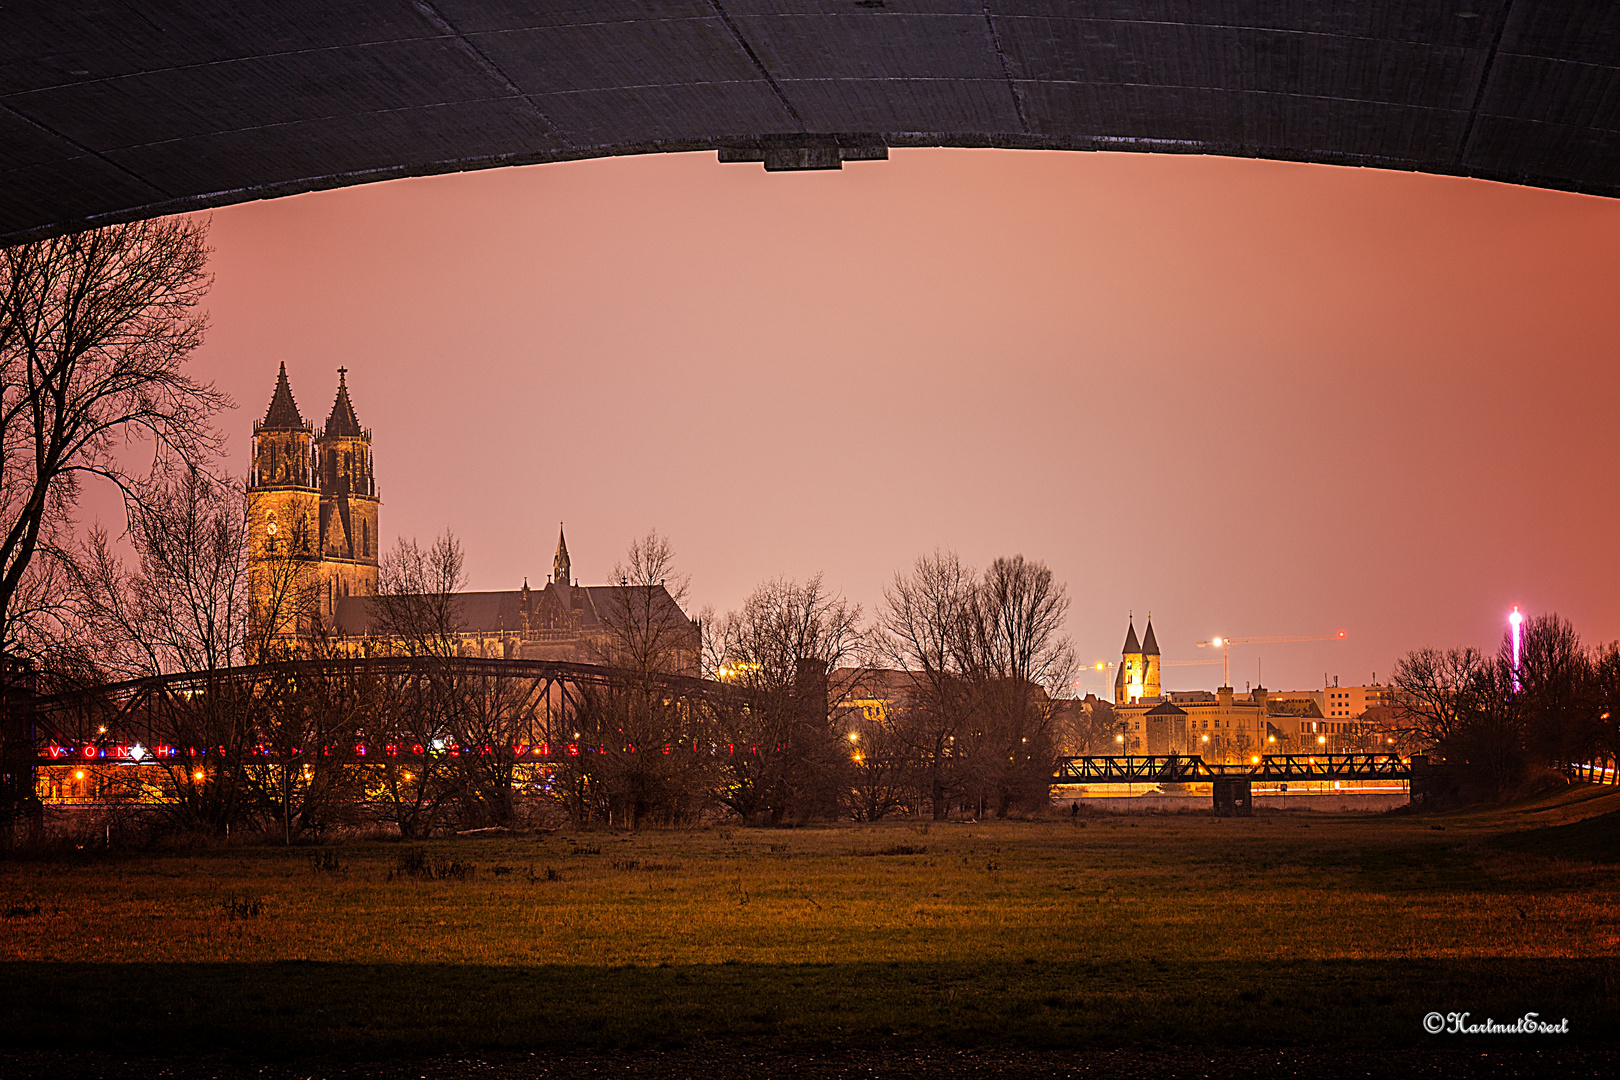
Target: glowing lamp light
{"x":1119,"y":738}
{"x":79,"y":775}
{"x":1515,"y":620}
{"x":197,"y":775}
{"x":1321,"y":740}
{"x":1215,"y":642}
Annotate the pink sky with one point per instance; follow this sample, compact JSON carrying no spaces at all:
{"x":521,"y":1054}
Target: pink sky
{"x":1252,"y":397}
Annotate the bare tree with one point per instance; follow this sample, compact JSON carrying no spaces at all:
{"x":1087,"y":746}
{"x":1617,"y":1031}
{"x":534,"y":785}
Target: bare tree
{"x":1606,"y":690}
{"x":1022,"y":660}
{"x":925,"y":632}
{"x":1085,"y":726}
{"x":1434,"y":689}
{"x":94,"y":332}
{"x":183,"y":607}
{"x":785,"y":654}
{"x":986,"y":656}
{"x":640,"y":753}
{"x":1558,"y":691}
{"x":647,"y":632}
{"x":416,"y":609}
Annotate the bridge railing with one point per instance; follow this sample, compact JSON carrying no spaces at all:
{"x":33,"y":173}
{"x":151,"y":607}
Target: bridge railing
{"x":1176,"y":768}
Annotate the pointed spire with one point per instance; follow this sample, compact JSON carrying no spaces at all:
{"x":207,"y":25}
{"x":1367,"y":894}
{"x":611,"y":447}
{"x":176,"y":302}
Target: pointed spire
{"x":560,"y":565}
{"x":1131,"y":645}
{"x":283,"y":413}
{"x":1150,"y":644}
{"x":342,"y":423}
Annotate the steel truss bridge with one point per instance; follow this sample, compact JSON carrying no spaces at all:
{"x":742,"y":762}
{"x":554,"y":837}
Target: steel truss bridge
{"x":1232,"y":784}
{"x":126,"y":721}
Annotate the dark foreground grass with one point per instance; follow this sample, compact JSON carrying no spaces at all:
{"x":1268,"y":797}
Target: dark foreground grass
{"x":1594,"y":839}
{"x":1286,"y":930}
{"x":276,"y":1011}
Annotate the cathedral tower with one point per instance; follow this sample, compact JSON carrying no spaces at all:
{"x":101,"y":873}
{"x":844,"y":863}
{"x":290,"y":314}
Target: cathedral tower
{"x":284,"y":507}
{"x":1152,"y":682}
{"x":560,"y":567}
{"x":1128,"y":684}
{"x":348,"y":505}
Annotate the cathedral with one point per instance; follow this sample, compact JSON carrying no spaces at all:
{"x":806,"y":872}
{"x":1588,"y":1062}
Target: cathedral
{"x":312,"y":534}
{"x":312,"y":511}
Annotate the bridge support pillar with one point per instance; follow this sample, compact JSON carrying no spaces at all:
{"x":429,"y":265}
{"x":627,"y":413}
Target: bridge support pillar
{"x":20,"y":808}
{"x":1234,"y":797}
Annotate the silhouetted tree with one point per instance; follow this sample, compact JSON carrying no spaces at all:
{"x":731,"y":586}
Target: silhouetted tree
{"x":784,"y":654}
{"x":641,"y":751}
{"x":925,"y":631}
{"x":183,"y":607}
{"x":986,"y":657}
{"x":1558,"y":692}
{"x":1435,"y":689}
{"x":95,"y":329}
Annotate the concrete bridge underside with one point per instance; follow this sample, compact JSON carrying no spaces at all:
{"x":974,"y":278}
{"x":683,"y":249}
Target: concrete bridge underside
{"x":113,"y":111}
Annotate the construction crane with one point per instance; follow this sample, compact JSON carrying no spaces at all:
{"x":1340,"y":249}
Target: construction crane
{"x":1225,"y":645}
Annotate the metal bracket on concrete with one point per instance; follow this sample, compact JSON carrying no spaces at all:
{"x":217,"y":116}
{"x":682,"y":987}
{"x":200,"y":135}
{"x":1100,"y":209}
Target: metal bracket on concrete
{"x":803,"y":154}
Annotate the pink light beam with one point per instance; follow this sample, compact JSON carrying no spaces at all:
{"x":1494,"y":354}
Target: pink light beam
{"x":1514,"y":621}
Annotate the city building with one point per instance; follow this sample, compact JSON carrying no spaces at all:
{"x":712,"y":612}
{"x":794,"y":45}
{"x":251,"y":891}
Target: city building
{"x":1224,"y":725}
{"x":561,"y":620}
{"x":1216,"y":726}
{"x":1343,"y":719}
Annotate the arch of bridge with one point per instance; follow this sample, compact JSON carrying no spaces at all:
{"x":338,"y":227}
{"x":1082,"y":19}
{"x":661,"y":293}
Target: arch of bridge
{"x":112,"y":112}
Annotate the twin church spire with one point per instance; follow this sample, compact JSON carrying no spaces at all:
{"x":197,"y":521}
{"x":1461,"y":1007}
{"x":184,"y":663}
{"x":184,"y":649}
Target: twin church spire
{"x":1139,"y":667}
{"x":312,"y":498}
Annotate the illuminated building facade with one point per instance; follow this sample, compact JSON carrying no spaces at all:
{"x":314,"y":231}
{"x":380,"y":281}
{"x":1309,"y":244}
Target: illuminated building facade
{"x":1217,"y":726}
{"x":562,"y":620}
{"x":312,"y":512}
{"x":1223,"y":726}
{"x":1341,"y":719}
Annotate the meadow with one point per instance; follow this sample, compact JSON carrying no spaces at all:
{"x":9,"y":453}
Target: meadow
{"x":1285,"y":929}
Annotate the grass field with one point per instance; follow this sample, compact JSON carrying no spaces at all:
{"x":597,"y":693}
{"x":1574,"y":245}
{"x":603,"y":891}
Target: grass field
{"x":1283,"y":929}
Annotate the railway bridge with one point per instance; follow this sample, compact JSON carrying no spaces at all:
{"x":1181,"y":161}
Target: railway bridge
{"x":1232,"y":785}
{"x":526,"y":710}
